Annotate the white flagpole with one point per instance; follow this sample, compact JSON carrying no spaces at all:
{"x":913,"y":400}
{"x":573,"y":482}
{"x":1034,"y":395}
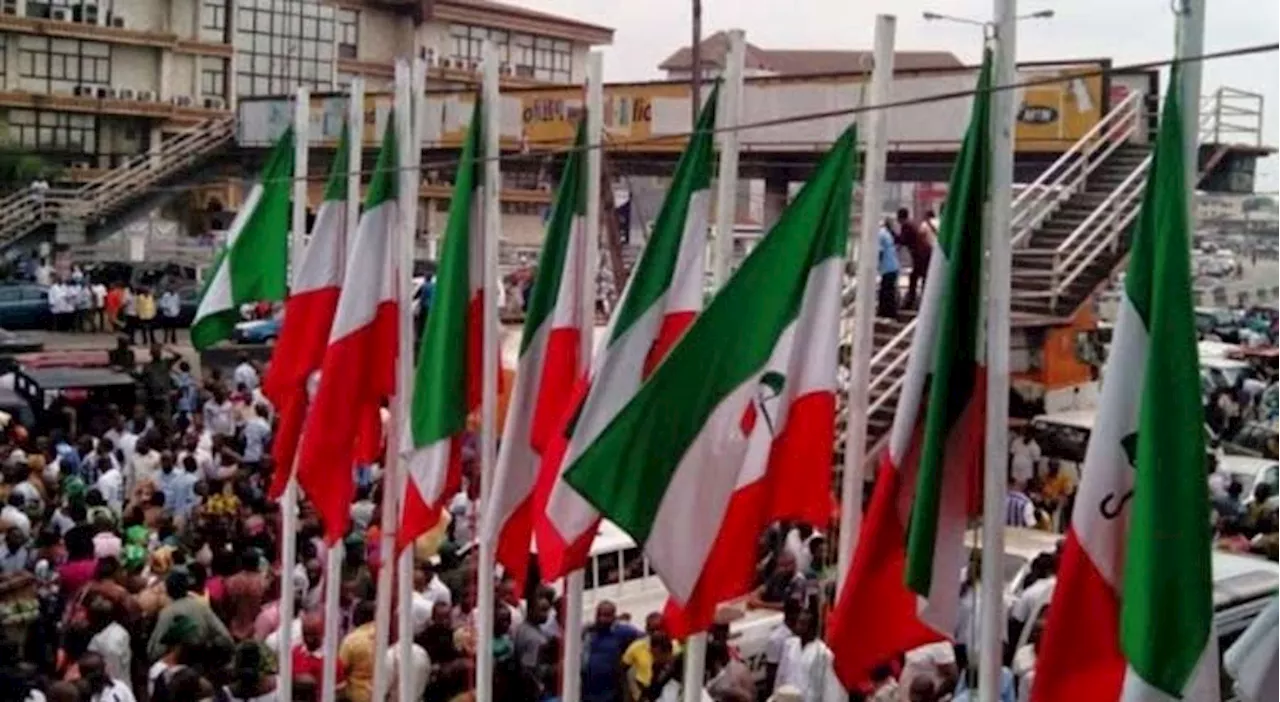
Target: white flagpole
{"x":408,"y":86}
{"x":488,"y":363}
{"x":289,"y":500}
{"x":876,"y":140}
{"x":390,"y":515}
{"x":1190,"y":42}
{"x":594,"y":87}
{"x":999,"y":261}
{"x":333,"y":566}
{"x":728,"y":115}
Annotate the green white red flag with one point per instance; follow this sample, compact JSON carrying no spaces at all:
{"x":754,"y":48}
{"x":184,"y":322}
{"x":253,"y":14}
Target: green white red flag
{"x":1132,"y":614}
{"x":446,"y":385}
{"x":902,"y":589}
{"x":549,"y":367}
{"x":358,"y":374}
{"x":734,"y":428}
{"x":308,"y":316}
{"x":251,"y":267}
{"x":660,"y":301}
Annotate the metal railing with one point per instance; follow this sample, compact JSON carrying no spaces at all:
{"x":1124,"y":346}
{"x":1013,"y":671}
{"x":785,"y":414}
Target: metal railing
{"x":1067,"y":175}
{"x":22,"y":211}
{"x":1101,"y":231}
{"x":1231,"y":116}
{"x":1034,"y":204}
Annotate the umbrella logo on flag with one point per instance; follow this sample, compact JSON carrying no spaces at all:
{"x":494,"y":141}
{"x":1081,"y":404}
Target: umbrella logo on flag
{"x":765,"y":402}
{"x":1112,"y":506}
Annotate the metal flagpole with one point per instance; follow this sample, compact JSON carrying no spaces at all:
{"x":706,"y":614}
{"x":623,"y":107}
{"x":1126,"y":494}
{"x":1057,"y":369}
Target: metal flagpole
{"x":488,"y":363}
{"x":594,"y":87}
{"x":728,"y":114}
{"x":876,"y":135}
{"x":999,"y":260}
{"x":1190,"y":42}
{"x":289,"y":500}
{"x":408,"y":87}
{"x":390,"y":508}
{"x":333,"y":566}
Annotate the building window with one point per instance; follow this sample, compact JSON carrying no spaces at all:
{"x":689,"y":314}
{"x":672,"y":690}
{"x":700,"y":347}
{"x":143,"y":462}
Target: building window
{"x":53,"y":131}
{"x":348,"y":33}
{"x":85,"y":11}
{"x":59,"y":65}
{"x":213,"y":20}
{"x":283,"y":45}
{"x":213,"y":79}
{"x":527,"y":55}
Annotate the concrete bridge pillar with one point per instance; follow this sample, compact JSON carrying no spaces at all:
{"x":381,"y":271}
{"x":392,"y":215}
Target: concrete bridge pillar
{"x":775,"y":200}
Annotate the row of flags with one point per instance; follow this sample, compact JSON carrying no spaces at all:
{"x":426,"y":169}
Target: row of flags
{"x":694,"y":429}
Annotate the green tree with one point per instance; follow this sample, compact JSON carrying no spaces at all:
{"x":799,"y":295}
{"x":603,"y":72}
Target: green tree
{"x":19,"y":167}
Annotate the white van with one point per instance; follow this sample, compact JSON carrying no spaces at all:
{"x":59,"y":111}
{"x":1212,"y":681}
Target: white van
{"x":1243,"y":586}
{"x":618,"y":571}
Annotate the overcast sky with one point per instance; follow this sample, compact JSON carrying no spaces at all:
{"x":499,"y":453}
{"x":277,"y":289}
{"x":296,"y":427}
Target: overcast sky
{"x":1127,"y":31}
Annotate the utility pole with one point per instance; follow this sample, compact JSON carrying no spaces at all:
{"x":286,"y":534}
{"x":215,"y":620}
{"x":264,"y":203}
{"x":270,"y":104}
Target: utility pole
{"x":695,"y":65}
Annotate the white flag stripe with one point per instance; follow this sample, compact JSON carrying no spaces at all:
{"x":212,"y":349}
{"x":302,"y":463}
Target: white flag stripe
{"x":218,"y":297}
{"x":321,"y":263}
{"x":375,"y":251}
{"x":919,"y":361}
{"x":617,"y":370}
{"x":721,"y":459}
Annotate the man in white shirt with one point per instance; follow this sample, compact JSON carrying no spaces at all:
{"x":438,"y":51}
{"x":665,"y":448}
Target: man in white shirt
{"x":14,"y":515}
{"x":146,"y":462}
{"x":778,"y":640}
{"x":257,"y":433}
{"x":935,"y":662}
{"x":463,"y":510}
{"x":44,"y":273}
{"x":101,"y":686}
{"x":99,"y":292}
{"x":806,"y":665}
{"x":219,"y":414}
{"x":111,"y":485}
{"x":111,"y":641}
{"x":1025,"y":452}
{"x":427,"y":591}
{"x":245,"y":374}
{"x":1035,"y":596}
{"x":57,"y":301}
{"x":419,"y":668}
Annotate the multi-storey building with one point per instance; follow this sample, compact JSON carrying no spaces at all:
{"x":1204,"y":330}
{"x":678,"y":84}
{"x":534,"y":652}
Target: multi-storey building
{"x":91,"y":82}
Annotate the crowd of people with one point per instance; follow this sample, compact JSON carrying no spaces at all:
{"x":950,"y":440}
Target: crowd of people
{"x":141,"y":562}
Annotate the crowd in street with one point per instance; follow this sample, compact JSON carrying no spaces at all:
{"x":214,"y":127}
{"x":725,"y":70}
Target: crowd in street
{"x":141,"y":562}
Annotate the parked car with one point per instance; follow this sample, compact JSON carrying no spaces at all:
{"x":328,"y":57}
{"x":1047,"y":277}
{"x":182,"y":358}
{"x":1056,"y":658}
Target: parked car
{"x":259,"y":331}
{"x":1217,"y":324}
{"x":1257,"y":439}
{"x":1249,"y":472}
{"x":13,"y":343}
{"x":24,"y":306}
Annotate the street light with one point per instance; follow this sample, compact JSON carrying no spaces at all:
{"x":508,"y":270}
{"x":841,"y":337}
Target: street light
{"x":987,"y":27}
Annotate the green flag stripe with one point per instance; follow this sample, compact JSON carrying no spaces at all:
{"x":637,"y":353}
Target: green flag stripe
{"x":440,"y":381}
{"x":1167,"y":605}
{"x":954,"y":371}
{"x":336,"y":187}
{"x":569,"y":204}
{"x":653,"y":272}
{"x":252,"y":264}
{"x":628,"y":485}
{"x":385,"y":182}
